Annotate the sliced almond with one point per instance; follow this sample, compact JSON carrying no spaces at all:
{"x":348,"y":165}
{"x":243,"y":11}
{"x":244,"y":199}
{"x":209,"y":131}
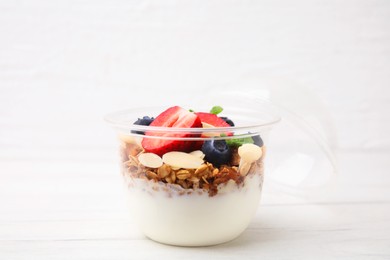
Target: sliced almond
{"x":198,"y":153}
{"x":209,"y":134}
{"x":244,"y":167}
{"x":250,"y":152}
{"x":150,"y":160}
{"x":205,"y":125}
{"x":182,"y":160}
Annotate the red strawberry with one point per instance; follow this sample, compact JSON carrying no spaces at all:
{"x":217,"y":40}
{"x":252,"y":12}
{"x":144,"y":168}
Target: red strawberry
{"x":172,"y":117}
{"x":213,"y":120}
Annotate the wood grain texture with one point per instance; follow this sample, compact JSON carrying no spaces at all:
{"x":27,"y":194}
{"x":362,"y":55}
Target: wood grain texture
{"x":64,"y":64}
{"x":74,"y":61}
{"x":66,"y":209}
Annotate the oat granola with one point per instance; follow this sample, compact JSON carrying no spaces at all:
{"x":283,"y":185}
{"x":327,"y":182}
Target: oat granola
{"x":206,"y":177}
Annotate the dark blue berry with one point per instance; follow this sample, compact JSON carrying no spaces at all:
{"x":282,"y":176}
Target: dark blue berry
{"x":216,"y":152}
{"x":146,"y":120}
{"x":257,"y":140}
{"x":227,"y":120}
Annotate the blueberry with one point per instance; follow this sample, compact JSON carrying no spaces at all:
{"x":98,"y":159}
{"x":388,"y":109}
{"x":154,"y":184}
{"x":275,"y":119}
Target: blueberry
{"x":146,"y":120}
{"x":257,"y":140}
{"x":216,"y":152}
{"x":227,"y":120}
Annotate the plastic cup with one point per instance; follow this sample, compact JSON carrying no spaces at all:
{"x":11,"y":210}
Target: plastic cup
{"x":186,"y":200}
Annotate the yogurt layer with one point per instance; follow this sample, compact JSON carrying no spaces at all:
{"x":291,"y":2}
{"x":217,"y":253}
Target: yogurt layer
{"x":190,"y":217}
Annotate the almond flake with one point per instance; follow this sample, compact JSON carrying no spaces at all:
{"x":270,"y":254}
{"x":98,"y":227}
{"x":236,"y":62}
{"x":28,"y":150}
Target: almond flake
{"x":244,"y":167}
{"x":182,"y":160}
{"x":209,"y":134}
{"x":250,"y":152}
{"x":150,"y":160}
{"x":198,"y":153}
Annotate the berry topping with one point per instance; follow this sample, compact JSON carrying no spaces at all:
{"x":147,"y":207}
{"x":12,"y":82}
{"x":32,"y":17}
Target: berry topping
{"x":257,"y":140}
{"x":142,"y":121}
{"x":172,"y":117}
{"x":227,"y":120}
{"x":212,"y":119}
{"x":216,"y":152}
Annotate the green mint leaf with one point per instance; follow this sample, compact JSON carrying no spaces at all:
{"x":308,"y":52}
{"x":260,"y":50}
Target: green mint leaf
{"x":191,"y":110}
{"x":239,"y":141}
{"x":216,"y":110}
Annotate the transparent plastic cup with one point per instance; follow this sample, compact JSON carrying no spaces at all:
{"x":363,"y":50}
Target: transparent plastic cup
{"x":205,"y":204}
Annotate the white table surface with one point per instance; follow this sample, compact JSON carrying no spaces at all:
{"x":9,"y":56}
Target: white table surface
{"x":75,"y":209}
{"x":64,"y":64}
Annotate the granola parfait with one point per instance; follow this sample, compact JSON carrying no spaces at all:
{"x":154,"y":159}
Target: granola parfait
{"x":194,"y":177}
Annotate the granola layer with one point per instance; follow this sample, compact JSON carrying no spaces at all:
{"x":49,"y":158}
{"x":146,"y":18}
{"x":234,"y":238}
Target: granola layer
{"x":207,"y":178}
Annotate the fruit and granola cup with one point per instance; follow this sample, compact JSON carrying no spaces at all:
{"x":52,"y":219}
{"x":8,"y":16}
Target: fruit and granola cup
{"x":194,"y":178}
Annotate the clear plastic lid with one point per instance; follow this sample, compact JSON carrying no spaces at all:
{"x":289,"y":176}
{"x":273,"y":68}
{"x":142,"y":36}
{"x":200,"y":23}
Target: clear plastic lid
{"x":300,"y":146}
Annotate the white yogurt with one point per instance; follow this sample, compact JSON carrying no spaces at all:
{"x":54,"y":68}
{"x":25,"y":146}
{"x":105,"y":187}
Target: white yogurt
{"x":194,"y":219}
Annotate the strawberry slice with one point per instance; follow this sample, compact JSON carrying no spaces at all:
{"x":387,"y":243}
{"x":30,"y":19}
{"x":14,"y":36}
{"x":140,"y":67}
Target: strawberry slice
{"x":172,"y":117}
{"x":213,"y":121}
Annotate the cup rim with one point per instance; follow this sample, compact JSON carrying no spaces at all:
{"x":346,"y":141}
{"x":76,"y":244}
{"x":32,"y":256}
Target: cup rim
{"x":112,"y":119}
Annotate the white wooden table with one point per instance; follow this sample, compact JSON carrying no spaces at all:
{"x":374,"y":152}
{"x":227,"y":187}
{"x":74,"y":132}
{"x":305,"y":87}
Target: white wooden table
{"x":64,"y":64}
{"x":74,"y":208}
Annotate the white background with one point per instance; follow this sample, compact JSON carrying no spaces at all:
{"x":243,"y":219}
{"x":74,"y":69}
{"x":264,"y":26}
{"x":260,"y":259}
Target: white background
{"x":69,"y":62}
{"x":64,"y":64}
